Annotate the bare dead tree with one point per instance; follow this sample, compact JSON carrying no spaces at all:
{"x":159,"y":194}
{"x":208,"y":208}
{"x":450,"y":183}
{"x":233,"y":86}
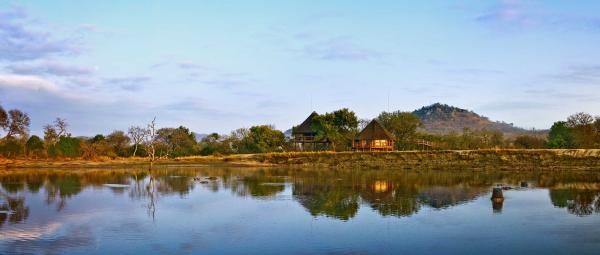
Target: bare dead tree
{"x":137,"y":134}
{"x":50,"y":135}
{"x":61,"y":127}
{"x":53,"y":132}
{"x":150,"y":141}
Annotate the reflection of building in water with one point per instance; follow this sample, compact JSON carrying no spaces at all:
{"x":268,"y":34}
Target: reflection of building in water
{"x":381,"y":186}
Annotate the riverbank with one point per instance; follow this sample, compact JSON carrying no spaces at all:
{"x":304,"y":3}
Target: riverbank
{"x":575,"y":159}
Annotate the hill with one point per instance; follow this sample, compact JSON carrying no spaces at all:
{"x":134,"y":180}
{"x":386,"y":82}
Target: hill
{"x":442,"y":118}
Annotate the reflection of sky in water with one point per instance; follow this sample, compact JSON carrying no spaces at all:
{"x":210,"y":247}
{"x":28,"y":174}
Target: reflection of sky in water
{"x":266,"y":213}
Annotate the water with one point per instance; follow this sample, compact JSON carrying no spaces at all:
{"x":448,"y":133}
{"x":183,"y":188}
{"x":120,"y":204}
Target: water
{"x":199,"y":210}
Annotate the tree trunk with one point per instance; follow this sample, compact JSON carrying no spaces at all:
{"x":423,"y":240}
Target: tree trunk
{"x":135,"y":149}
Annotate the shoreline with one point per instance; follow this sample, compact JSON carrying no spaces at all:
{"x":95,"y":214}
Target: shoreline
{"x":513,"y":159}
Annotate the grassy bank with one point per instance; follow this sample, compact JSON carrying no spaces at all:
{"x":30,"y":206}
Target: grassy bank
{"x":472,"y":159}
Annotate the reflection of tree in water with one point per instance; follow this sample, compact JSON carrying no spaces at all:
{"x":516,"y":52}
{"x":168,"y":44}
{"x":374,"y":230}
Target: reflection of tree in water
{"x":336,"y":202}
{"x":442,"y":197}
{"x":12,"y":209}
{"x":333,"y":193}
{"x":337,"y":194}
{"x":577,"y":201}
{"x":60,"y":188}
{"x":391,"y":199}
{"x":259,"y":186}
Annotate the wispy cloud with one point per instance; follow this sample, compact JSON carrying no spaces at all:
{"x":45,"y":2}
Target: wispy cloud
{"x":188,"y":65}
{"x":581,"y":74}
{"x":130,"y":83}
{"x":50,"y":68}
{"x":512,"y":105}
{"x":27,"y":82}
{"x":340,"y":48}
{"x":511,"y":12}
{"x":18,"y":41}
{"x":522,"y":14}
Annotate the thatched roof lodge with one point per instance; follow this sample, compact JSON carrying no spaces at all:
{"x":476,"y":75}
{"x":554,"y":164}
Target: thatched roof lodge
{"x":305,"y":137}
{"x":374,"y":137}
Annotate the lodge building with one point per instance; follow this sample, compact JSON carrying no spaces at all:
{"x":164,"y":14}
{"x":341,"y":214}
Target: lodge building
{"x":305,"y":138}
{"x":374,"y":137}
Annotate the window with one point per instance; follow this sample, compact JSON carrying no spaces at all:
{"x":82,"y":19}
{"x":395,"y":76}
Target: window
{"x":380,"y":143}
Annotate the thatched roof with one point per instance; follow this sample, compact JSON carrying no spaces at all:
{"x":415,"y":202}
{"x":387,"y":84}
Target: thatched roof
{"x":305,"y":127}
{"x":374,"y":131}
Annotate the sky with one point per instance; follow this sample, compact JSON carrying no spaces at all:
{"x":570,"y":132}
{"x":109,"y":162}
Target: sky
{"x":215,"y":66}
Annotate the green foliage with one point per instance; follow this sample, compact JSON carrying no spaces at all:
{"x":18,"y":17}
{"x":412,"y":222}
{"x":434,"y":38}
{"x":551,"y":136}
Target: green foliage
{"x":118,"y":141}
{"x":325,"y":129}
{"x":67,"y":147}
{"x":338,"y":127}
{"x":560,"y":136}
{"x":35,"y":146}
{"x":403,"y":125}
{"x":212,"y":144}
{"x":264,"y":138}
{"x":11,"y":148}
{"x":140,"y":152}
{"x":175,"y":142}
{"x":97,"y":138}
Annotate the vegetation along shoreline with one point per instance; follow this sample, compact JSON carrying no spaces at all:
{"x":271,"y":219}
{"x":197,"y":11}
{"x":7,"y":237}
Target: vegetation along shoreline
{"x":505,"y":159}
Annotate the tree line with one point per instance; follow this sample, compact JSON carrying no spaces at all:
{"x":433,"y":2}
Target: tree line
{"x":580,"y":130}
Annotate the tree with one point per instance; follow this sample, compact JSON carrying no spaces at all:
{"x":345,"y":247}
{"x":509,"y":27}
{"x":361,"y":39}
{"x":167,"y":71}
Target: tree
{"x":211,"y":144}
{"x":264,"y":138}
{"x":560,"y":136}
{"x":53,"y":132}
{"x":11,"y":147}
{"x":176,"y":142}
{"x":529,"y":142}
{"x":61,"y":127}
{"x":18,"y":123}
{"x":69,"y":146}
{"x":583,"y":130}
{"x":336,"y":127}
{"x":150,"y":140}
{"x":326,"y":130}
{"x":3,"y":119}
{"x":137,"y":135}
{"x":35,"y":145}
{"x":345,"y":120}
{"x":119,"y":142}
{"x":402,"y":124}
{"x":50,"y":135}
{"x":580,"y":119}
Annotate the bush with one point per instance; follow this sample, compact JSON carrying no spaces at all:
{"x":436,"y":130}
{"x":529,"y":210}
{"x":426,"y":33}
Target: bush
{"x":529,"y":142}
{"x":69,"y":147}
{"x":11,"y":148}
{"x":34,"y":146}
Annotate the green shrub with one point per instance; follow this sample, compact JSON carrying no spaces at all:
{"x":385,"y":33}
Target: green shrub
{"x":69,"y":147}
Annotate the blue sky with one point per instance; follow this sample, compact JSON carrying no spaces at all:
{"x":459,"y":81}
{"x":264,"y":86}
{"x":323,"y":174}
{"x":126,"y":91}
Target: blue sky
{"x":221,"y":65}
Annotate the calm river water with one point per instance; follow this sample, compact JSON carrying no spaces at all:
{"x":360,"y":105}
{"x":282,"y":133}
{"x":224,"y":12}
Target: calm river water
{"x":201,"y":210}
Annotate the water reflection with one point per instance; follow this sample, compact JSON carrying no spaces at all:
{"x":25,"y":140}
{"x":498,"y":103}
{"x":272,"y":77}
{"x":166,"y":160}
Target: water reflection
{"x":331,"y":193}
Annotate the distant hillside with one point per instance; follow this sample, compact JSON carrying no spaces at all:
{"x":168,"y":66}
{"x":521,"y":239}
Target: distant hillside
{"x":442,"y":118}
{"x":199,"y":136}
